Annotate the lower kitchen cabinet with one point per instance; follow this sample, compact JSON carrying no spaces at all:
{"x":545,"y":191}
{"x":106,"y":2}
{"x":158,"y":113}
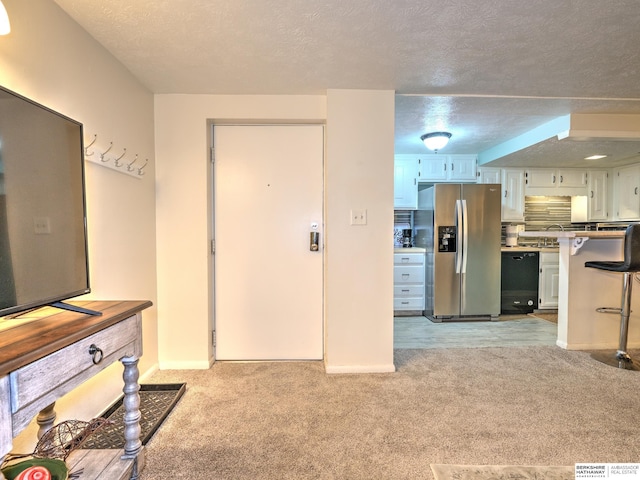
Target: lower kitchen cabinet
{"x":549,"y":280}
{"x":408,"y":281}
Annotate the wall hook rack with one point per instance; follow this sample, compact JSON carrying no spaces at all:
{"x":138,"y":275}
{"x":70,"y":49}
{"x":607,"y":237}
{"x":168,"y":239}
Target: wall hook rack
{"x":105,"y":159}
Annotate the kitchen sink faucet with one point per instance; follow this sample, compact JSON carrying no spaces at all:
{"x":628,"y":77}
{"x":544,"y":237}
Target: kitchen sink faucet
{"x":555,"y":225}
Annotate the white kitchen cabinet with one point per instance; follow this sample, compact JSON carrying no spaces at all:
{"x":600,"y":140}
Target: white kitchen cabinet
{"x":572,"y":177}
{"x":597,"y":195}
{"x":447,"y":168}
{"x":512,"y":194}
{"x":626,"y":192}
{"x":489,"y":175}
{"x":433,"y":168}
{"x":549,"y":280}
{"x":540,"y":177}
{"x":405,"y":184}
{"x":555,"y":178}
{"x":408,"y":281}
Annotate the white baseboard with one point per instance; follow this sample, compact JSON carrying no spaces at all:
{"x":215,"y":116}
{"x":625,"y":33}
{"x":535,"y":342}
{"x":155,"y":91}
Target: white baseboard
{"x":185,"y":365}
{"x":148,"y":373}
{"x":331,"y":369}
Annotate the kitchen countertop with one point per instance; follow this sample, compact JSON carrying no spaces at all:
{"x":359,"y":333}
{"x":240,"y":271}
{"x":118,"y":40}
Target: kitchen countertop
{"x":529,"y":248}
{"x":573,"y":234}
{"x":409,"y":250}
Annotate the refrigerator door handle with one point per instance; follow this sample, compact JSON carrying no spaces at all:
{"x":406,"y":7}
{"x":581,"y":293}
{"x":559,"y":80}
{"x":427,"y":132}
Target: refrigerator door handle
{"x":465,"y":235}
{"x":459,"y":240}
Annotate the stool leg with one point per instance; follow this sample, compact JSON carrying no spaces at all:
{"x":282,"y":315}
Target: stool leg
{"x":624,"y":360}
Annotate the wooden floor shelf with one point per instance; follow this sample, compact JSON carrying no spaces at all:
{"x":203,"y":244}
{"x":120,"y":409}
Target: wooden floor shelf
{"x":103,"y":464}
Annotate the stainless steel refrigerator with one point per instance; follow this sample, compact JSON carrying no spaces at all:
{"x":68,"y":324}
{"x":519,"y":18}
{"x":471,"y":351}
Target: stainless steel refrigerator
{"x":459,"y":225}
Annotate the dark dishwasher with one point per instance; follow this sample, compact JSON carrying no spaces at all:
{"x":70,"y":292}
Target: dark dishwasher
{"x":519,"y":282}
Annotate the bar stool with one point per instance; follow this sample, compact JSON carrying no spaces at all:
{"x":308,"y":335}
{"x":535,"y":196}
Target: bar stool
{"x":629,"y":266}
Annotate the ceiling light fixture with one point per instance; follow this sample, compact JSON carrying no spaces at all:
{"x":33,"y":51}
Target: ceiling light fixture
{"x":5,"y":26}
{"x":435,"y":140}
{"x":595,"y":157}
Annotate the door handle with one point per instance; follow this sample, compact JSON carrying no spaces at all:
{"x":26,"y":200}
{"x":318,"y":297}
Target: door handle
{"x":314,"y":241}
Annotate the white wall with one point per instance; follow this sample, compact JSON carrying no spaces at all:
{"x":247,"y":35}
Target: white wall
{"x":359,"y":259}
{"x":359,"y":262}
{"x":183,"y":134}
{"x":50,"y":59}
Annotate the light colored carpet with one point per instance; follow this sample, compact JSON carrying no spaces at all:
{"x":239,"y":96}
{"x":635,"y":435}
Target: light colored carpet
{"x":497,"y":472}
{"x":481,"y":406}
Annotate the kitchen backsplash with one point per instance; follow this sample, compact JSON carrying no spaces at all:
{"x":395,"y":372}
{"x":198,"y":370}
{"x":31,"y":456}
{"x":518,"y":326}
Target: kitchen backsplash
{"x":541,"y":212}
{"x":401,"y":219}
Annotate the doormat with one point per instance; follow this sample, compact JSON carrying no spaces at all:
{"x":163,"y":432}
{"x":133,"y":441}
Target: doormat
{"x":156,"y":402}
{"x":493,"y":472}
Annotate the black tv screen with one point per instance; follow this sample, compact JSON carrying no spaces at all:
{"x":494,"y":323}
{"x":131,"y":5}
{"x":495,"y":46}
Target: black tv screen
{"x":43,"y":240}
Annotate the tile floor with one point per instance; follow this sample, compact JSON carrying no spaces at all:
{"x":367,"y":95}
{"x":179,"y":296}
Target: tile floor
{"x":420,"y":332}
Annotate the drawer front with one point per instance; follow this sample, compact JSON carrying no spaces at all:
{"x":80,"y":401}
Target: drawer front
{"x":408,"y":291}
{"x":408,"y":303}
{"x":408,"y":259}
{"x":65,"y":369}
{"x":408,"y":274}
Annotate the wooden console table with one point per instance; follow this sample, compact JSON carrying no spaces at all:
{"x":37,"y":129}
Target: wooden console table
{"x":44,"y":357}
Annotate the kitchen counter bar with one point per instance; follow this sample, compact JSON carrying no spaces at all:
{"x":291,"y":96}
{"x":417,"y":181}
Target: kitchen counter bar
{"x":572,"y":234}
{"x":582,"y":290}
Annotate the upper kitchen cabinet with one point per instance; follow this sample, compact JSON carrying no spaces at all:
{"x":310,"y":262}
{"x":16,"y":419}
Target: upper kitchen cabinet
{"x":405,"y":183}
{"x":512,"y":195}
{"x":626,"y":181}
{"x":447,"y":168}
{"x":597,"y":204}
{"x":556,"y":181}
{"x":489,"y":175}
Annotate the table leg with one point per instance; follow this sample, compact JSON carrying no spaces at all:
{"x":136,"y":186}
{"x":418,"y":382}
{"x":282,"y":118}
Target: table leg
{"x":131,"y":404}
{"x":45,"y":419}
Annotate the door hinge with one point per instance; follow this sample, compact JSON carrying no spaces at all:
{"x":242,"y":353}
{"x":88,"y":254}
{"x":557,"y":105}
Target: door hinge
{"x":212,"y":155}
{"x":213,"y":338}
{"x":213,"y":247}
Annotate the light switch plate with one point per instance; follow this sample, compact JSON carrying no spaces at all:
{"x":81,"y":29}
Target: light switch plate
{"x":359,"y":217}
{"x":41,"y":225}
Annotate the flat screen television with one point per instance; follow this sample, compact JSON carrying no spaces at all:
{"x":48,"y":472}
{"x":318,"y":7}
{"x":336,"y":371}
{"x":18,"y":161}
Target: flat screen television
{"x":43,"y":233}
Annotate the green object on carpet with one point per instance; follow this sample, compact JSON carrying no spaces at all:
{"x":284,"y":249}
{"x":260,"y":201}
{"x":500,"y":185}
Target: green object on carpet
{"x":156,"y":402}
{"x":498,"y":472}
{"x":57,"y":468}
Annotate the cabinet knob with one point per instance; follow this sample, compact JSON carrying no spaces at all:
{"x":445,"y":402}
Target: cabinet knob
{"x":96,"y":354}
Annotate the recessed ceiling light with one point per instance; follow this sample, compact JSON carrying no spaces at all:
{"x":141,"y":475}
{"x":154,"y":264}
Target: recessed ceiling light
{"x":596,"y":157}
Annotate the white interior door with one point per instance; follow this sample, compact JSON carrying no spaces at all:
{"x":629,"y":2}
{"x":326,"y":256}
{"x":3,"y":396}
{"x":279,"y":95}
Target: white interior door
{"x":268,"y":184}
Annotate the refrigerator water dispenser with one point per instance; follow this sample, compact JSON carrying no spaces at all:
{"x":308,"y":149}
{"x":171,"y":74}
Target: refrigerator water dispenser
{"x":446,"y":238}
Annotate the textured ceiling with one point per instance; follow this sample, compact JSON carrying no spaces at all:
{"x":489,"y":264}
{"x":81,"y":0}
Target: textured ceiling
{"x":485,"y":71}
